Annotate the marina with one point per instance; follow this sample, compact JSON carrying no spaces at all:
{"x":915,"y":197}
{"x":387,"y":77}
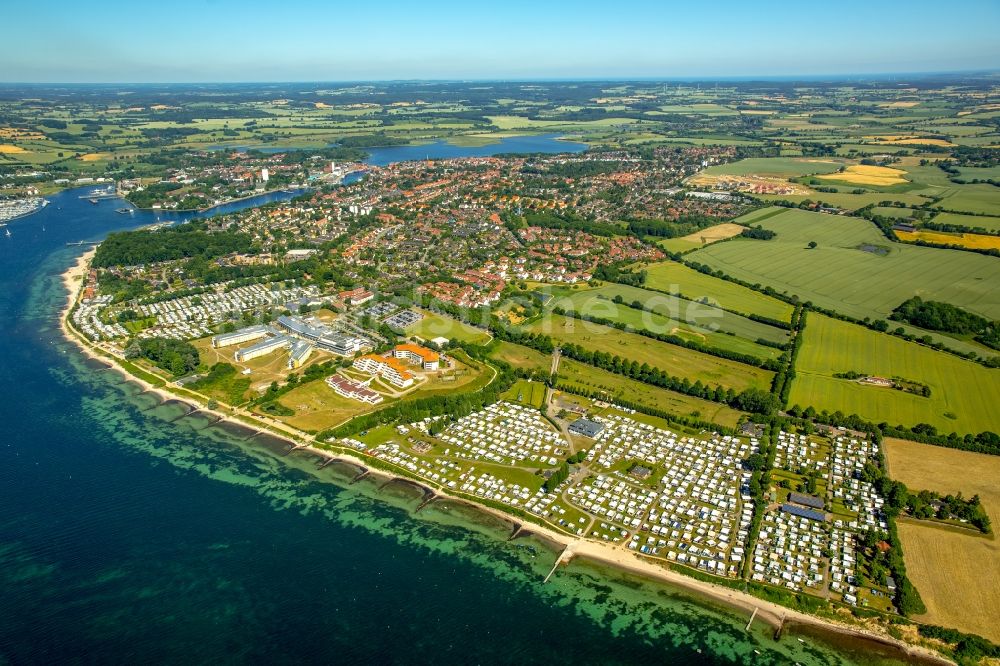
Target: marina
{"x":12,"y":209}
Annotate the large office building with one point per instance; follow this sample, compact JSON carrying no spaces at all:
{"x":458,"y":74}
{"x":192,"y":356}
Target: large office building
{"x":342,"y":345}
{"x":299,"y":327}
{"x":299,"y":354}
{"x":262,"y":348}
{"x":240,"y":336}
{"x":427,"y":359}
{"x":388,"y":368}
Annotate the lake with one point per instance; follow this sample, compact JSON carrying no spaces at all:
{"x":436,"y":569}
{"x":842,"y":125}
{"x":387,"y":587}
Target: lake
{"x":441,"y":149}
{"x":543,"y":143}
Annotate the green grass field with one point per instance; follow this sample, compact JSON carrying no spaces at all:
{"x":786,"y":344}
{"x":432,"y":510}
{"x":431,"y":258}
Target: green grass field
{"x":963,"y":399}
{"x":317,"y":407}
{"x":520,"y":356}
{"x":849,"y":200}
{"x":435,"y":325}
{"x":680,"y":309}
{"x":774,"y":166}
{"x":971,"y":199}
{"x":617,"y":388}
{"x":677,"y":361}
{"x":971,"y":221}
{"x":526,"y":392}
{"x":670,"y":318}
{"x":672,"y":277}
{"x":840,"y":276}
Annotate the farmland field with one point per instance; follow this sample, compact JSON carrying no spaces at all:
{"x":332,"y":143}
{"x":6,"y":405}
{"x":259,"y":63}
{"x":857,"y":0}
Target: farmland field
{"x":972,"y":199}
{"x":598,"y":303}
{"x":862,"y":174}
{"x":702,"y":237}
{"x":833,"y":346}
{"x":774,"y":166}
{"x":941,"y":561}
{"x":677,"y":361}
{"x":675,"y":278}
{"x":971,"y":221}
{"x":587,"y":378}
{"x":972,"y":241}
{"x":851,"y":201}
{"x":855,"y":269}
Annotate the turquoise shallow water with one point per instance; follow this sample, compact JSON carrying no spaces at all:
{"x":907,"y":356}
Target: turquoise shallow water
{"x":128,"y":534}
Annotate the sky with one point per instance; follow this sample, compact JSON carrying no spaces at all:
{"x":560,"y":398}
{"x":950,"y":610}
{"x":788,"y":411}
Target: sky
{"x":331,"y":40}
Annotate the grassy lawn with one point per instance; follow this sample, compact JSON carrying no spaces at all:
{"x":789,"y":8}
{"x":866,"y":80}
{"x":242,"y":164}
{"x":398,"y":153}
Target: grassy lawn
{"x":617,"y":388}
{"x":675,"y":278}
{"x":441,"y":326}
{"x":318,"y":407}
{"x":677,"y":361}
{"x":963,"y":396}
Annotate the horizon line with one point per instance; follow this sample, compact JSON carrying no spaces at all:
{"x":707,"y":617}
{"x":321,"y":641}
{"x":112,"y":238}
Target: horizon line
{"x":749,"y":78}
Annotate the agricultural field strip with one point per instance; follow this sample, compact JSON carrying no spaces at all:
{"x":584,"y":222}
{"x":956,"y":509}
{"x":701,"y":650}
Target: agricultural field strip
{"x":940,"y":561}
{"x":618,"y":388}
{"x":675,"y":360}
{"x":672,"y":277}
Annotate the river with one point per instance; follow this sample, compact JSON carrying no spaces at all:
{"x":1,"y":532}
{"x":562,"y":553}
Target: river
{"x":130,"y":533}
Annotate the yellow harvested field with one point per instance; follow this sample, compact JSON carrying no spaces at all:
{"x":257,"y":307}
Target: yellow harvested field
{"x":900,"y":105}
{"x":971,"y":241}
{"x":910,"y":141}
{"x":863,"y":174}
{"x":949,"y":567}
{"x":9,"y":149}
{"x":93,"y":157}
{"x":714,"y":234}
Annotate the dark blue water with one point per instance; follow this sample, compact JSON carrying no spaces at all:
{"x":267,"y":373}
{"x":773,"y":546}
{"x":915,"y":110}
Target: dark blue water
{"x":509,"y":145}
{"x":132,"y":534}
{"x":543,"y":143}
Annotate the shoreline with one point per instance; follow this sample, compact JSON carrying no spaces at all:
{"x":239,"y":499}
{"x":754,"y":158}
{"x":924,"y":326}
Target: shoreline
{"x":773,"y":614}
{"x":218,"y":205}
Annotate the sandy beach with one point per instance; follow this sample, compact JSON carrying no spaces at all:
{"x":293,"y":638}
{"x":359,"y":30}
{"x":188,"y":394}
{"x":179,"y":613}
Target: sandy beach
{"x":615,"y":555}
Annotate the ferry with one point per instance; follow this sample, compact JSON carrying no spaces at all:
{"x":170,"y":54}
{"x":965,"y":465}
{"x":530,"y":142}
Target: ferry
{"x":107,"y":192}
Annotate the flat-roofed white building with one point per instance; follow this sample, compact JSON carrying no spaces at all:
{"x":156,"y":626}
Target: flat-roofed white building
{"x":299,"y":354}
{"x":262,"y":348}
{"x":239,"y":337}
